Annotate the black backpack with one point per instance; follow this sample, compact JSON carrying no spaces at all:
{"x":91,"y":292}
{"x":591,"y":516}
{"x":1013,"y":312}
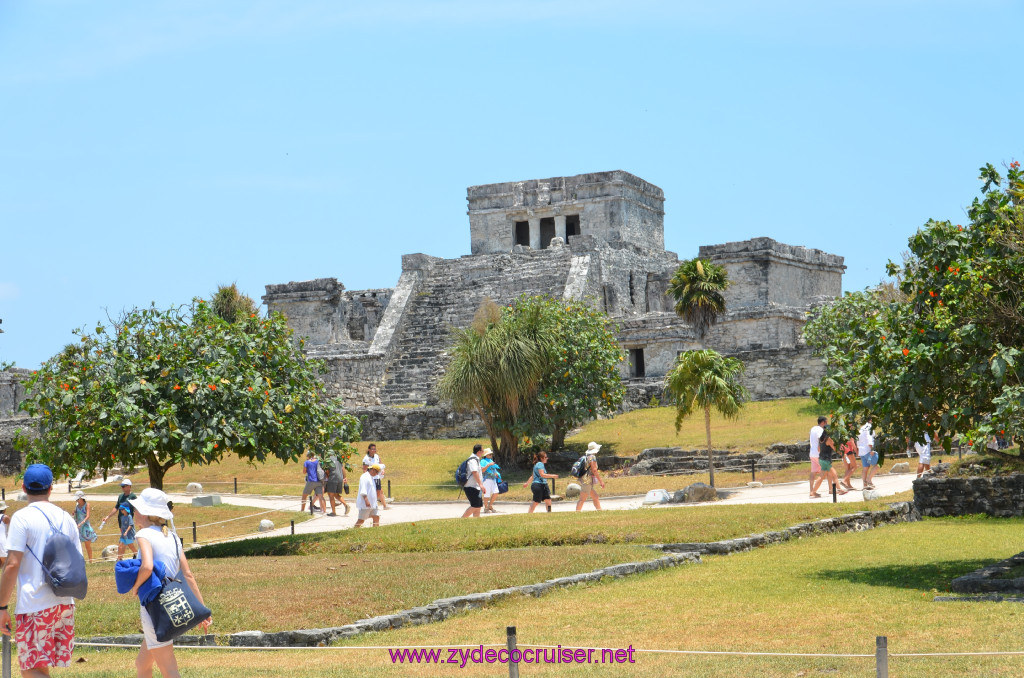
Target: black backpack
{"x":62,"y":563}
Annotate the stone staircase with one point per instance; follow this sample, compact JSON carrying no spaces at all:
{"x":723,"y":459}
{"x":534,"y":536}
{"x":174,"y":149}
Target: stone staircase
{"x":448,"y":297}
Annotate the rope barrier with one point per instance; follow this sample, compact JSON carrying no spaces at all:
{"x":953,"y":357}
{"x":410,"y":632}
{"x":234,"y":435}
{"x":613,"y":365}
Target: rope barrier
{"x":1010,"y":653}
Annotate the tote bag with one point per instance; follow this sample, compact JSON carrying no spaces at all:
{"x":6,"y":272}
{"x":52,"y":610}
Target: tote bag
{"x":176,"y":609}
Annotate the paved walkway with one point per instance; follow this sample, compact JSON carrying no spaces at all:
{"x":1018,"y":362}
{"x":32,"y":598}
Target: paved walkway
{"x":408,"y":512}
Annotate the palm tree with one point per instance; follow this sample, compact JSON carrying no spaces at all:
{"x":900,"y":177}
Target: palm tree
{"x":702,"y":380}
{"x":495,"y":368}
{"x":697,"y":287}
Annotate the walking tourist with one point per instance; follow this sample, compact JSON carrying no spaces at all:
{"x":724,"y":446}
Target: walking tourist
{"x":850,"y":459}
{"x":491,"y":473}
{"x":335,"y":484}
{"x":5,"y":520}
{"x":86,"y":534}
{"x":314,"y":474}
{"x":826,"y":455}
{"x":157,"y":544}
{"x":366,"y":500}
{"x":126,"y":522}
{"x":814,"y":480}
{"x":122,"y":503}
{"x":372,"y":457}
{"x":868,"y":456}
{"x":538,"y":482}
{"x":474,"y":483}
{"x":45,"y":621}
{"x":924,"y":454}
{"x":590,"y":477}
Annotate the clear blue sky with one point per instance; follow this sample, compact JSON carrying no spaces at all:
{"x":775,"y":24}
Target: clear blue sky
{"x":151,"y":151}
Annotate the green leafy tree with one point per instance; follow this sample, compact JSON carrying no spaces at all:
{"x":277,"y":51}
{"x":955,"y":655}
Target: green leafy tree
{"x":233,"y":306}
{"x":706,"y":380}
{"x":580,"y":379}
{"x":495,"y":369}
{"x":945,"y":353}
{"x":181,"y":386}
{"x":698,"y":287}
{"x":538,"y":367}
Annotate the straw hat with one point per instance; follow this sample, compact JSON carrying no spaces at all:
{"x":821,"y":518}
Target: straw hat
{"x":152,"y":502}
{"x":488,"y":452}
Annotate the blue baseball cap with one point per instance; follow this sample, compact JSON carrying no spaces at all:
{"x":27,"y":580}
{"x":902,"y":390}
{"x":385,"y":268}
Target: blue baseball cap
{"x":38,"y":478}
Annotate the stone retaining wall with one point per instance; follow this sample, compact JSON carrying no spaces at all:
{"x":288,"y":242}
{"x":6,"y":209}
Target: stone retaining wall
{"x":10,"y":459}
{"x":415,"y":423}
{"x":1000,"y":496}
{"x":865,"y":520}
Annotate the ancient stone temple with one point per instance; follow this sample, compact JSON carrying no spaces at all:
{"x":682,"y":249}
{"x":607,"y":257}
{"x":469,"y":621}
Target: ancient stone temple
{"x":595,"y":237}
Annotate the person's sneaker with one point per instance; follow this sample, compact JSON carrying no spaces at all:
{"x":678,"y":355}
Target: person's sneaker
{"x":346,"y":509}
{"x":317,"y":509}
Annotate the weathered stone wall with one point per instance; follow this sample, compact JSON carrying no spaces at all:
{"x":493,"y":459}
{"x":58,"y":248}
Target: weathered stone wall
{"x":1000,"y":496}
{"x":611,"y":206}
{"x":764,"y":272}
{"x":780,"y":373}
{"x":356,"y":378}
{"x":11,"y":391}
{"x":10,"y":460}
{"x":325,"y":313}
{"x":414,"y":423}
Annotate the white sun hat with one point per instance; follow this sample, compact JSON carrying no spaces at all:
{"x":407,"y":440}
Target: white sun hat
{"x":593,"y":447}
{"x":79,"y":495}
{"x":152,"y":502}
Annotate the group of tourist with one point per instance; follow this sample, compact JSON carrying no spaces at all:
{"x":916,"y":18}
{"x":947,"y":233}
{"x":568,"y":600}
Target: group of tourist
{"x":45,"y":620}
{"x":859,"y":451}
{"x":331,"y":479}
{"x":484,"y":479}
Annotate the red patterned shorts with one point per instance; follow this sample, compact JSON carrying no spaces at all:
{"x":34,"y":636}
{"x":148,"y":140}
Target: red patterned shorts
{"x":45,"y":638}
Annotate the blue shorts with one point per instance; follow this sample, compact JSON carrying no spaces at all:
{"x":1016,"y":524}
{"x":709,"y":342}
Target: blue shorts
{"x":869,"y":459}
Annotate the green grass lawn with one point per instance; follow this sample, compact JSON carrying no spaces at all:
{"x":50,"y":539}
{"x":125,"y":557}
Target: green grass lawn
{"x":422,"y":470}
{"x":829,"y":594}
{"x":644,"y":526}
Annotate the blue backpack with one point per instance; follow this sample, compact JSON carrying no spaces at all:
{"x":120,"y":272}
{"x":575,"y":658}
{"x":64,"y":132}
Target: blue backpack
{"x":580,"y":468}
{"x":62,"y":563}
{"x":462,"y":473}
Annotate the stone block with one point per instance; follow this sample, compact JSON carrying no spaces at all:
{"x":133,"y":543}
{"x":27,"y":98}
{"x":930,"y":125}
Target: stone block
{"x":206,"y":500}
{"x":193,"y":488}
{"x":698,"y":492}
{"x":266,"y":525}
{"x":872,"y":494}
{"x":572,"y":490}
{"x":901,"y":467}
{"x":656,"y":497}
{"x":755,"y":483}
{"x":109,"y":552}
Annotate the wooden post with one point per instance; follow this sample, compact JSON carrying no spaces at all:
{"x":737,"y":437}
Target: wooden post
{"x":510,"y":638}
{"x":293,"y":528}
{"x":236,"y":485}
{"x":7,"y":657}
{"x":835,"y":498}
{"x":552,"y":487}
{"x":195,"y":536}
{"x":881,"y":657}
{"x":389,"y":488}
{"x":753,"y":470}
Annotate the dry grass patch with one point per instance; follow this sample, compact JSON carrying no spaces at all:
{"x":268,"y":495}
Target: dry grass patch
{"x":331,"y":590}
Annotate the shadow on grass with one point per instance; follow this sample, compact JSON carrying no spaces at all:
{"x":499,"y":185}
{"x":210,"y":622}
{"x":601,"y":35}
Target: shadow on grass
{"x":925,"y":577}
{"x":267,"y":546}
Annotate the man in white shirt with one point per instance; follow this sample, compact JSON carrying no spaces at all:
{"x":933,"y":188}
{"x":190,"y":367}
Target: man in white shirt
{"x":373,"y":458}
{"x":366,"y":500}
{"x":45,"y":621}
{"x":474,"y":486}
{"x":815,"y":478}
{"x":924,"y":454}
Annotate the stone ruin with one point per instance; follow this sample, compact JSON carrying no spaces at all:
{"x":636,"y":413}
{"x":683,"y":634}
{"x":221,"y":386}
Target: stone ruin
{"x":597,"y":238}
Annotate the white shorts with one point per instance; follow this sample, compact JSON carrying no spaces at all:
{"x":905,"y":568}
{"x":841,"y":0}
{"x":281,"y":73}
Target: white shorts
{"x":149,"y":633}
{"x":490,"y":486}
{"x":925,"y":458}
{"x":369,"y":513}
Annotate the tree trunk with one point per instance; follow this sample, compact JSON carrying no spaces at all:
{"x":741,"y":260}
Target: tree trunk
{"x":711,"y":455}
{"x":489,"y":426}
{"x":558,"y":438}
{"x":509,"y":450}
{"x":157,"y":471}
